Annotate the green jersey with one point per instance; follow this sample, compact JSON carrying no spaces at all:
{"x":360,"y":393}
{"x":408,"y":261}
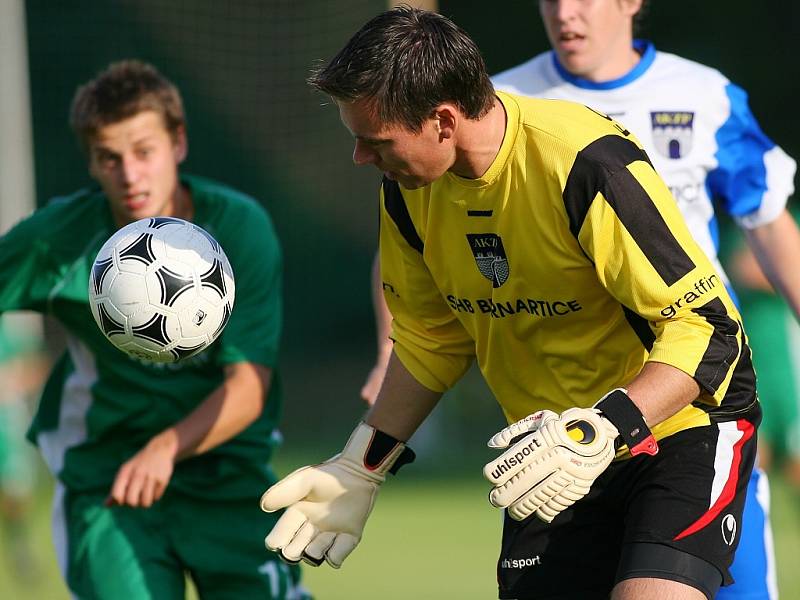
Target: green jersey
{"x":100,"y":406}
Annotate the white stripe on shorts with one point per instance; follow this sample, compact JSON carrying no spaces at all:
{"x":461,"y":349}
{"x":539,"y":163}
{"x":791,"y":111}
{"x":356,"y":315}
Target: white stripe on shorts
{"x":729,"y":434}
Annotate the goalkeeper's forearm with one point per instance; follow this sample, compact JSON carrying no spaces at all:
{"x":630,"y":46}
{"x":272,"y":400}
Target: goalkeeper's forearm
{"x":660,"y":391}
{"x":402,"y":404}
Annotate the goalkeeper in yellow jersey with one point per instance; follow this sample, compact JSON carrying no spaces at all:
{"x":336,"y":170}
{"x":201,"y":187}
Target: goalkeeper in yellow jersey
{"x":535,"y":237}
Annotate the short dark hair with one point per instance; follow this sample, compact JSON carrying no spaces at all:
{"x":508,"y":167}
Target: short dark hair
{"x":407,"y":61}
{"x":123,"y":90}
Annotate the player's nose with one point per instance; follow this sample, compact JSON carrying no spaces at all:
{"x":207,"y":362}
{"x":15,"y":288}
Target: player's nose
{"x":565,"y":10}
{"x":129,"y":170}
{"x":363,"y":154}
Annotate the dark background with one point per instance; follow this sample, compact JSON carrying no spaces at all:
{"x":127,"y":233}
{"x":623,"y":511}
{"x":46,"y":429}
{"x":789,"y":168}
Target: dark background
{"x":254,"y":124}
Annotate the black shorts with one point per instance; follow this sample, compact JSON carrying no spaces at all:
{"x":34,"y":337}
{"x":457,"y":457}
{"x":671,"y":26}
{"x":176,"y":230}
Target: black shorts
{"x":675,"y":515}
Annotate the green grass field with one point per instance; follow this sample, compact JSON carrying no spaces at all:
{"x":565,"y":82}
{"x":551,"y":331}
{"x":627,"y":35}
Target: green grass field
{"x":427,"y":538}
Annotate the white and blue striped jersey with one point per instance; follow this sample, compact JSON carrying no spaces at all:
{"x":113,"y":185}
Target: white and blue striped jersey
{"x":695,"y":125}
{"x":704,"y":141}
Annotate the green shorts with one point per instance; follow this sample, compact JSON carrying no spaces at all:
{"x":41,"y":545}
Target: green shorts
{"x":145,"y":554}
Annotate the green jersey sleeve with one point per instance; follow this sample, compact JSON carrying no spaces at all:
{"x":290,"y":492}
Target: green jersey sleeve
{"x":246,"y":233}
{"x":23,"y":256}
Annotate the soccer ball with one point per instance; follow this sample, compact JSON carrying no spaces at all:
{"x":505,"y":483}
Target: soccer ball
{"x":161,"y":289}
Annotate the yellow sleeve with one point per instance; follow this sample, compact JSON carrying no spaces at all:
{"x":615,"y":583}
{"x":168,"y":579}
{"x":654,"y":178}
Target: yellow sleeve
{"x":429,"y":340}
{"x":646,"y":258}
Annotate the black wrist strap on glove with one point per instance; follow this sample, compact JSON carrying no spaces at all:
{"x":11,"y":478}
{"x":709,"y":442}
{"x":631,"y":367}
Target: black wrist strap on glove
{"x":618,"y":408}
{"x":381,"y":446}
{"x":406,"y":457}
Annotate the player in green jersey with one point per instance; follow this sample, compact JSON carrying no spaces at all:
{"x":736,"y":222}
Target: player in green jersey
{"x":157,"y":465}
{"x":535,"y":238}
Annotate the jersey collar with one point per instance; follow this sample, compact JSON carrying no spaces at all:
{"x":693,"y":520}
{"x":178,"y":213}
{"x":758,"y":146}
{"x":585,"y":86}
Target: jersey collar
{"x":643,"y":47}
{"x":504,"y":153}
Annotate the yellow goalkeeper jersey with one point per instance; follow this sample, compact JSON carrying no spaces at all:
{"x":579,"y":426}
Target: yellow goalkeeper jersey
{"x":563,"y":269}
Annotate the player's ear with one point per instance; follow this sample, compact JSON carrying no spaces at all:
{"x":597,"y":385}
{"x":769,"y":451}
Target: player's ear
{"x":180,"y":144}
{"x":446,"y":120}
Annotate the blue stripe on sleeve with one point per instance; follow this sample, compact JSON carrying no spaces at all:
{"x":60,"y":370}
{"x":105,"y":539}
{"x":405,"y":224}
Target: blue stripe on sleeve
{"x":740,"y":179}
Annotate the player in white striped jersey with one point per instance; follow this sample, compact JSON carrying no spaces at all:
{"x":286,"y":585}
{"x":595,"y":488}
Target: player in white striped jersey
{"x":695,"y":124}
{"x":705,"y":142}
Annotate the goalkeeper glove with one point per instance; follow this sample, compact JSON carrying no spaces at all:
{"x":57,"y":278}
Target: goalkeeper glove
{"x":552,"y":460}
{"x":327,"y":505}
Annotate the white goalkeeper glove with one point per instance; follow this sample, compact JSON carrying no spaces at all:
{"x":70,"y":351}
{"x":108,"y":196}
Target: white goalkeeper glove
{"x":327,"y":505}
{"x":552,"y":460}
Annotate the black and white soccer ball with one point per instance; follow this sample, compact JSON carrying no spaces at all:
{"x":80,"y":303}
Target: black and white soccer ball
{"x":161,"y":289}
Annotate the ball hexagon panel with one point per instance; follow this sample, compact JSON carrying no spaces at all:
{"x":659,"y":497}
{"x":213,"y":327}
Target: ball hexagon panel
{"x":127,"y":292}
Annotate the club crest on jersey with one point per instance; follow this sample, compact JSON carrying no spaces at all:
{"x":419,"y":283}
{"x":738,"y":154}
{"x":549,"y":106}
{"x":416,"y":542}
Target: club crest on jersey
{"x":672,"y":132}
{"x":490,"y":256}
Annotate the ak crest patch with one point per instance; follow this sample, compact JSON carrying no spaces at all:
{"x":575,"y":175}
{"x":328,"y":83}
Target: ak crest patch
{"x":490,"y":256}
{"x":672,"y":132}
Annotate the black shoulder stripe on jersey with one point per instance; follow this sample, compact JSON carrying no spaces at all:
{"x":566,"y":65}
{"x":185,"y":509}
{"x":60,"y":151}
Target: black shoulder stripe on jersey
{"x":723,"y":345}
{"x":601,"y":168}
{"x":638,"y":213}
{"x":593,"y":166}
{"x":640,"y":328}
{"x":398,"y":211}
